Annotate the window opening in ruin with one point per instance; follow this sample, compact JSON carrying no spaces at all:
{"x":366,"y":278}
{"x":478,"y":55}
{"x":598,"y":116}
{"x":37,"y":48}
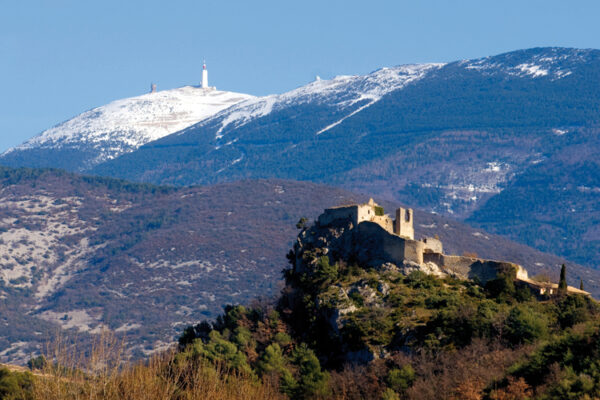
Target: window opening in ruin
{"x":407,"y":216}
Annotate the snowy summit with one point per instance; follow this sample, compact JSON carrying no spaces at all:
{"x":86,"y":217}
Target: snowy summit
{"x":124,"y":125}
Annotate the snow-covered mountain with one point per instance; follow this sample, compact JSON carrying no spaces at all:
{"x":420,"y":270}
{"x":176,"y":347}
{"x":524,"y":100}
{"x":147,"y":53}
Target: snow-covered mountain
{"x":121,"y":126}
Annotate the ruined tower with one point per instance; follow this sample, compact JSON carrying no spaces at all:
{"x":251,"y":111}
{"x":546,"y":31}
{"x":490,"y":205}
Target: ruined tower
{"x":403,"y":224}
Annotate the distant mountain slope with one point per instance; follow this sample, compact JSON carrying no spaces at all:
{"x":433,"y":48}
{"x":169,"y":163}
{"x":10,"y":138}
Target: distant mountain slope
{"x":554,"y":205}
{"x":87,"y":253}
{"x":447,"y":138}
{"x":119,"y":127}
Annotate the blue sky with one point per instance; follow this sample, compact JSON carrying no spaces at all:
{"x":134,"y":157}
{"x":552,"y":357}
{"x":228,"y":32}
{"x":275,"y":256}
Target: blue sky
{"x":59,"y":58}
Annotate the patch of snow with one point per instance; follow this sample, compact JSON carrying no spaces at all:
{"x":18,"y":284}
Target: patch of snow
{"x":493,"y":167}
{"x":336,"y":123}
{"x":559,"y":132}
{"x":532,"y":69}
{"x":205,"y":266}
{"x":587,"y":189}
{"x":279,"y":189}
{"x":237,"y":160}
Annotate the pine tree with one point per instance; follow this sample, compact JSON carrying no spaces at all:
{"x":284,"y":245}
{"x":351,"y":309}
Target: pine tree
{"x":562,"y":283}
{"x":581,"y":284}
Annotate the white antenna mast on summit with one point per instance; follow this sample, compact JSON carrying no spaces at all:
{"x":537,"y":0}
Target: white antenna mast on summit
{"x":204,"y":76}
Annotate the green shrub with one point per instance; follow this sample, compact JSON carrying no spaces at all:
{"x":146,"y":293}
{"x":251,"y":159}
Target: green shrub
{"x":313,"y":381}
{"x":282,"y":339}
{"x":524,"y":325}
{"x":357,"y":298}
{"x":503,"y":286}
{"x":272,"y":362}
{"x":38,"y":362}
{"x":389,"y":394}
{"x":400,"y":379}
{"x":15,"y":385}
{"x":574,"y":309}
{"x":325,"y":272}
{"x":566,"y":364}
{"x":421,"y":280}
{"x":242,"y":337}
{"x":219,"y":349}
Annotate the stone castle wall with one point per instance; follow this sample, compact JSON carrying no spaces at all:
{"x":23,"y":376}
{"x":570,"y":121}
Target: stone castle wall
{"x":433,"y":245}
{"x":386,"y":247}
{"x":384,"y":221}
{"x":331,"y":215}
{"x":356,"y":214}
{"x":377,"y":239}
{"x":469,"y":267}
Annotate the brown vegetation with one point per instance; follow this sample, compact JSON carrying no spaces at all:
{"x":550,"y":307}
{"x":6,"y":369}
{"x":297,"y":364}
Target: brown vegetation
{"x":103,"y":374}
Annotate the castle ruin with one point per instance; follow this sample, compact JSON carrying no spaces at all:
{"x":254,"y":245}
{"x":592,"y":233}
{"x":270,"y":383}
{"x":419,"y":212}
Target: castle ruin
{"x":400,"y":240}
{"x":393,"y":241}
